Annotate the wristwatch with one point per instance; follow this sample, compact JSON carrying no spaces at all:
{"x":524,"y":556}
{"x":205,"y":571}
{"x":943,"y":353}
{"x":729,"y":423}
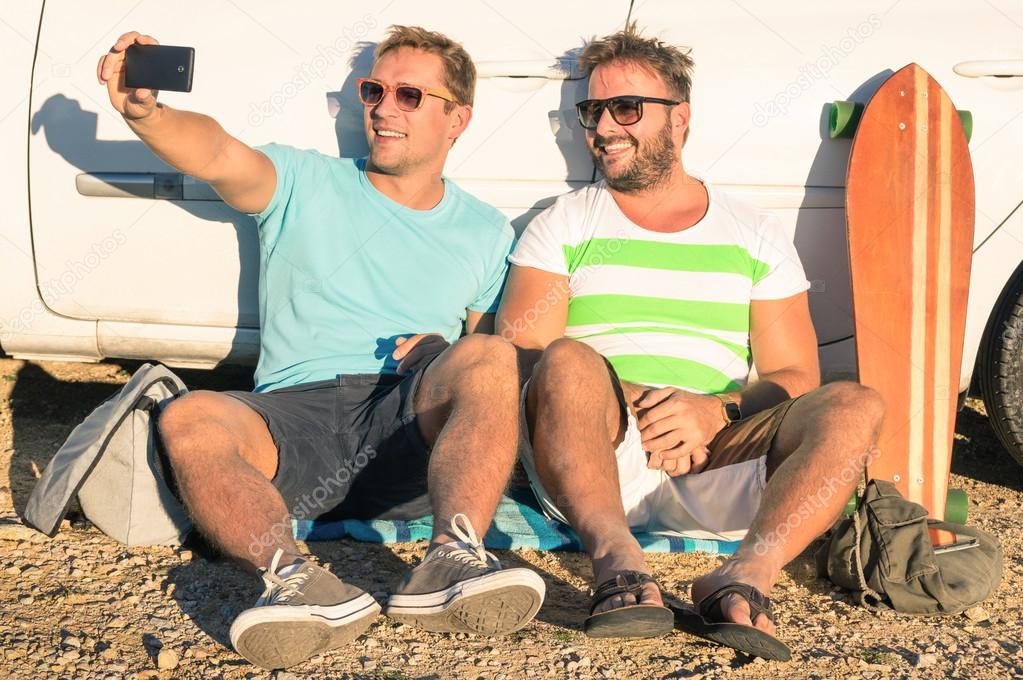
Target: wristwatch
{"x":729,"y":409}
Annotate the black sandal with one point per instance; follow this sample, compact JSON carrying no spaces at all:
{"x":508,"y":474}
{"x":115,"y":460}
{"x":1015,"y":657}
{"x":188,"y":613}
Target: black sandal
{"x":633,"y":621}
{"x":707,"y":621}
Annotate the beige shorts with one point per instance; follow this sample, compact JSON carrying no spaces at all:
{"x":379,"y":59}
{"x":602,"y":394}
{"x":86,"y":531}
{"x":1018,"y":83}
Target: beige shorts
{"x":718,"y":502}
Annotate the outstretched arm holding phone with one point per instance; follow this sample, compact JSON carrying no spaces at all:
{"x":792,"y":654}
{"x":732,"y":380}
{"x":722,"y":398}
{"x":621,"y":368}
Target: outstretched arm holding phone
{"x":191,"y":142}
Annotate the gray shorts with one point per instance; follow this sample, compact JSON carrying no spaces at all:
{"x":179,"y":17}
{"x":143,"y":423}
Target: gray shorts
{"x":348,"y":447}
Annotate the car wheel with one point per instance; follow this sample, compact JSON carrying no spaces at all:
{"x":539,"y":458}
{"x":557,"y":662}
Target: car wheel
{"x":1000,"y":367}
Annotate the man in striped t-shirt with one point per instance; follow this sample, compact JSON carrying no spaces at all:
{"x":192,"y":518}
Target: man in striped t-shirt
{"x":643,"y":301}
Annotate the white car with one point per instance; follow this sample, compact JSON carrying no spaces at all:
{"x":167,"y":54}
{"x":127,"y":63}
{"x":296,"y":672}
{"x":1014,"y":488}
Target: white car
{"x":107,"y":252}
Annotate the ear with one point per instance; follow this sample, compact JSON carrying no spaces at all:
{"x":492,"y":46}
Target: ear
{"x":680,"y":117}
{"x":459,"y":121}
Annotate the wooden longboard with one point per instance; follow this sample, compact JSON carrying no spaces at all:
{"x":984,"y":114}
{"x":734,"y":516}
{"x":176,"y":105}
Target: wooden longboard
{"x":910,"y":213}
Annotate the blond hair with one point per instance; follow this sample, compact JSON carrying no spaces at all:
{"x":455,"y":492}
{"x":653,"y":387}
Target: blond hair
{"x":459,"y":71}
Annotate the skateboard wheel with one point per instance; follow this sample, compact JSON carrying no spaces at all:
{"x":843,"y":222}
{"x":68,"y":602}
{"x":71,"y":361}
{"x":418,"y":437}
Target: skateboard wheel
{"x":966,"y":117}
{"x":843,"y":118}
{"x":956,"y":506}
{"x":851,"y":505}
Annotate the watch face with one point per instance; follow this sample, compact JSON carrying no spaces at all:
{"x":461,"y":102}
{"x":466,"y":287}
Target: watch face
{"x":732,"y":411}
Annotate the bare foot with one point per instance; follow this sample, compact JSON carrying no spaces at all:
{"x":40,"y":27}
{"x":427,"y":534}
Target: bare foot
{"x":735,"y":608}
{"x":608,"y":567}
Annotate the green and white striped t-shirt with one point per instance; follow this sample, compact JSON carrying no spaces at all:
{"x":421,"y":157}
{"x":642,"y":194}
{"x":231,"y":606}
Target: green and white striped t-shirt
{"x":665,"y":309}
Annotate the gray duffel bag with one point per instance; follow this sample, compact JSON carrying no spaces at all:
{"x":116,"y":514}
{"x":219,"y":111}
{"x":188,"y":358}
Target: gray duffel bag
{"x":112,"y":461}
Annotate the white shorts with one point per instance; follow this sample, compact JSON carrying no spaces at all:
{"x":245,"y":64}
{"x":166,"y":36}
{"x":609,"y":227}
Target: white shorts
{"x":717,"y":503}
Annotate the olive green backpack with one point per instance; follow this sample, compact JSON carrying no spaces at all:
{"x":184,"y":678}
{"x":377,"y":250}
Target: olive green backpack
{"x":883,"y":555}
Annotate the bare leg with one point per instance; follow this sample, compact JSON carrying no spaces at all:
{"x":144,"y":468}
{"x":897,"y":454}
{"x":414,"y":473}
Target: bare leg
{"x":468,"y":411}
{"x":815,"y":462}
{"x":576,"y":422}
{"x":223,"y":458}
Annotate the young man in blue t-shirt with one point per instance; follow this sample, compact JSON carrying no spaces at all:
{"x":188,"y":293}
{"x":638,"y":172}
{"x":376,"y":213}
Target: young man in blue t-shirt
{"x":365,"y":396}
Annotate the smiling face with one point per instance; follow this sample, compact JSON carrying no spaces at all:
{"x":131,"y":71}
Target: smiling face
{"x":404,"y":142}
{"x":637,"y":157}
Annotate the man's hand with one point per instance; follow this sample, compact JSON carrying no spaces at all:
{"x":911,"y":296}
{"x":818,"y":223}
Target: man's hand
{"x":132,"y":103}
{"x":416,"y":351}
{"x":676,"y":426}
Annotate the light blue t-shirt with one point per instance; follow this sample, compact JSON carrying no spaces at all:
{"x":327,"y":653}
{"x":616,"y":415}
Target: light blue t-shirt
{"x":344,"y":270}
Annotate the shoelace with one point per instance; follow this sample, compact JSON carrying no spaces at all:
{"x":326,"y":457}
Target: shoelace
{"x":474,"y":553}
{"x":280,"y":590}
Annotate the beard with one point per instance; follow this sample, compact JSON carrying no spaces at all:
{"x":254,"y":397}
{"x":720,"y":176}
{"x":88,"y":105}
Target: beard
{"x":652,"y":164}
{"x":392,"y":164}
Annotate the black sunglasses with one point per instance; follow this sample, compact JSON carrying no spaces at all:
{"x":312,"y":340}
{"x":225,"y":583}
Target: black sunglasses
{"x":625,"y":110}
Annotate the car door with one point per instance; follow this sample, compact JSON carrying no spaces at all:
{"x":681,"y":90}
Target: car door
{"x":765,"y":74}
{"x":166,"y":269}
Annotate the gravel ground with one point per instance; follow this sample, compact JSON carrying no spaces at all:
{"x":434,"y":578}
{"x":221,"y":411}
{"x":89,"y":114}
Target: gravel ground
{"x":81,"y":606}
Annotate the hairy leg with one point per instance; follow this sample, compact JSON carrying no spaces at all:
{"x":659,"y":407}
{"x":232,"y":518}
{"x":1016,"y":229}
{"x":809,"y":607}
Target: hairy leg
{"x":223,"y":458}
{"x":576,"y":422}
{"x":468,"y":412}
{"x":814,"y":464}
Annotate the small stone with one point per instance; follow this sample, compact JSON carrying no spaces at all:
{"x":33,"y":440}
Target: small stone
{"x":585,"y":662}
{"x":116,"y":622}
{"x":71,"y":641}
{"x":372,"y":642}
{"x":989,"y":644}
{"x":167,"y":659}
{"x":976,"y":614}
{"x":925,"y":660}
{"x":26,"y":599}
{"x":71,"y":655}
{"x":13,"y":571}
{"x":185,"y":555}
{"x":9,"y":531}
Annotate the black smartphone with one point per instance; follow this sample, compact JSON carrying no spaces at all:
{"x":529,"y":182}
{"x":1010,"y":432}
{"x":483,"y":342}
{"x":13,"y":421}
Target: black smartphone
{"x":159,"y":67}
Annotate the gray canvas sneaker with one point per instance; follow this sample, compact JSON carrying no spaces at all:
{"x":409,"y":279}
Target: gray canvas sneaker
{"x":461,"y":588}
{"x":299,"y":615}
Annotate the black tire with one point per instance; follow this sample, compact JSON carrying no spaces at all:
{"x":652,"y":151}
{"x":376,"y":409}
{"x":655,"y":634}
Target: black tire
{"x":1000,"y":367}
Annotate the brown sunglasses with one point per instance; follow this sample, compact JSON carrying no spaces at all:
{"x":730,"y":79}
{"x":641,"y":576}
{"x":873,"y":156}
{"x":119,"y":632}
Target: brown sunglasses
{"x":407,"y":97}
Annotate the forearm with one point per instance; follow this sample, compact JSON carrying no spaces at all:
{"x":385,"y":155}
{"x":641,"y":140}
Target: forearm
{"x":772,"y":389}
{"x":190,"y":142}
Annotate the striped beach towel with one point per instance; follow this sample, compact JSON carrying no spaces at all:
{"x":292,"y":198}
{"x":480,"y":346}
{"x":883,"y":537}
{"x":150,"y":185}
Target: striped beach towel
{"x":518,"y":524}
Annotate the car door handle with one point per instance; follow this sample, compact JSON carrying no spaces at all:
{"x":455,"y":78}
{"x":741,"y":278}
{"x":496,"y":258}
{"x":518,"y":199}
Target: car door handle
{"x":998,"y":68}
{"x":172,"y":186}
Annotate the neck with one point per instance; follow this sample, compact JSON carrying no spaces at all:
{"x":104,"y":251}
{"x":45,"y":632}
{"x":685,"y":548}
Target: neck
{"x":418,"y":191}
{"x":677,"y":203}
